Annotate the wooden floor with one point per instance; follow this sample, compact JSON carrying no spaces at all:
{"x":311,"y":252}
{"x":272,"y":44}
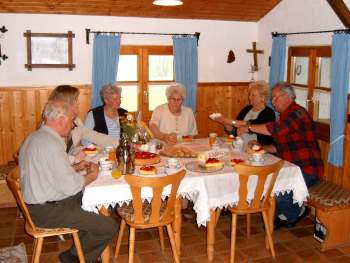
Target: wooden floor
{"x":292,"y":245}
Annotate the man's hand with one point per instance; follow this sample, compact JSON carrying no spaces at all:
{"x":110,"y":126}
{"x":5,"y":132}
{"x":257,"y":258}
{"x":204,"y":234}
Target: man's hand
{"x":92,"y":173}
{"x":82,"y":165}
{"x":79,"y":156}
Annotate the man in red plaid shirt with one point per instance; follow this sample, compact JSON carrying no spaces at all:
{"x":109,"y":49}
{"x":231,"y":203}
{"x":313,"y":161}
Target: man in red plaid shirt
{"x":295,"y":139}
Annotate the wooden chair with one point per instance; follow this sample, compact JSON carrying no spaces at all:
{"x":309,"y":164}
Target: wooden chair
{"x":259,"y":203}
{"x":38,"y":233}
{"x":157,"y":213}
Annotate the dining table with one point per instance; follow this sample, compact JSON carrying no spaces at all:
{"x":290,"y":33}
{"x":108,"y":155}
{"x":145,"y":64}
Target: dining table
{"x":209,"y":190}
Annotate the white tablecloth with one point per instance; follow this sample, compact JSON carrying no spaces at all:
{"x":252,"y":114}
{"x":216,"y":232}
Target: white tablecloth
{"x":206,"y":190}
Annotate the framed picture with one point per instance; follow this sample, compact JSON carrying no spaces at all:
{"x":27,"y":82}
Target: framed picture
{"x":49,"y":50}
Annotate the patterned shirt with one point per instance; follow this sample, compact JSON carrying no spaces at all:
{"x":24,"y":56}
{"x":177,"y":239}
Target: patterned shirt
{"x":296,"y":142}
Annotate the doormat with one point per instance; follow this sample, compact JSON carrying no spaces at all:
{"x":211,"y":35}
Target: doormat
{"x":14,"y":254}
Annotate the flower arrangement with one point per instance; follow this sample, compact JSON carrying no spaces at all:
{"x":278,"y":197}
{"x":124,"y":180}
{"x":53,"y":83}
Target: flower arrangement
{"x":128,"y":126}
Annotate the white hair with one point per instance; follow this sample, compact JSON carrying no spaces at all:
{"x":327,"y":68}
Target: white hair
{"x":175,"y":88}
{"x":108,"y":90}
{"x":56,"y":109}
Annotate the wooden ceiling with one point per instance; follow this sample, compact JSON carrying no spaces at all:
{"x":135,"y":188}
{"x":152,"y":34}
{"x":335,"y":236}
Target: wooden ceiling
{"x":238,"y":10}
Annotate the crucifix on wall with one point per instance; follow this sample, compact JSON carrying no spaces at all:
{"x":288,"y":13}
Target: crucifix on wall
{"x":255,"y":55}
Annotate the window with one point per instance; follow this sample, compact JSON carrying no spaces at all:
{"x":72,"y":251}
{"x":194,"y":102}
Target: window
{"x":144,"y":72}
{"x":309,"y":71}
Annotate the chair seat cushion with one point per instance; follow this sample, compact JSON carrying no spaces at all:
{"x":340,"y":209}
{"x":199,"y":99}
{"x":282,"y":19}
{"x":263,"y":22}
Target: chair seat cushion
{"x":329,"y":194}
{"x":127,"y":211}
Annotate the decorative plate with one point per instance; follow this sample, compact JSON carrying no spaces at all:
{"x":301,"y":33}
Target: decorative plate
{"x":195,"y":167}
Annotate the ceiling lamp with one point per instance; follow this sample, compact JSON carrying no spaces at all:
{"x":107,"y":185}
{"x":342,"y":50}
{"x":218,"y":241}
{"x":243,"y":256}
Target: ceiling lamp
{"x":167,"y":2}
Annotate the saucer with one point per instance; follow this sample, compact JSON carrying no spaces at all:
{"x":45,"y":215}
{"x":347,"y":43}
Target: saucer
{"x":169,"y":170}
{"x":254,"y":162}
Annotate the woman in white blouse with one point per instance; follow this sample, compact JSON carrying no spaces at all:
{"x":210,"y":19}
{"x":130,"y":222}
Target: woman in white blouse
{"x":172,"y":119}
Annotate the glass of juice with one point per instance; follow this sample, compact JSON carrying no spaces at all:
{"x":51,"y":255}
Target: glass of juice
{"x":212,"y":138}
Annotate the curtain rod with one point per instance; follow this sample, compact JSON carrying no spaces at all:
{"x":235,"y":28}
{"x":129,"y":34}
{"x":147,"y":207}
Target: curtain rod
{"x":345,"y":30}
{"x":88,"y":31}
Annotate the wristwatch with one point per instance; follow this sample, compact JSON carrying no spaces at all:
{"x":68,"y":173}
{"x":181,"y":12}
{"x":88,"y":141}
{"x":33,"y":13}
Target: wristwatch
{"x":249,"y":127}
{"x":234,"y":123}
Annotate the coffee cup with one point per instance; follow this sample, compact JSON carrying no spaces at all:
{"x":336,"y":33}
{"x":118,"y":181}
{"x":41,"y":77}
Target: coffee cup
{"x":105,"y":164}
{"x":257,"y":157}
{"x":173,"y":163}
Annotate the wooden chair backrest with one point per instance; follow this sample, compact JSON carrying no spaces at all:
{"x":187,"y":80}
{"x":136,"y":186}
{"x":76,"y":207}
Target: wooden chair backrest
{"x":12,"y":180}
{"x":157,"y":184}
{"x":262,"y":172}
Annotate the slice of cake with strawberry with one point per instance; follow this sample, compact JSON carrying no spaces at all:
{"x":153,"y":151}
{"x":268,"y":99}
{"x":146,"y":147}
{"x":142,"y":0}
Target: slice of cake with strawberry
{"x":230,"y":138}
{"x":90,"y":150}
{"x":186,"y":138}
{"x":256,"y":149}
{"x":213,"y":163}
{"x":148,"y":170}
{"x":235,"y":161}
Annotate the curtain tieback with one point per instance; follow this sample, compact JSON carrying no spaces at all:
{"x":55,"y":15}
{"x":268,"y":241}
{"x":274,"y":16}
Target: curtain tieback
{"x":337,"y":139}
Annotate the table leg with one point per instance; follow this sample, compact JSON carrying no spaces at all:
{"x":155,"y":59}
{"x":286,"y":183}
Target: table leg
{"x":177,"y":225}
{"x":214,"y":217}
{"x":106,"y":254}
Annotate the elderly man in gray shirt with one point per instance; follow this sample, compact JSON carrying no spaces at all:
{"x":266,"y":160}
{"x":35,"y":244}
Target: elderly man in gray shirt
{"x":52,"y":187}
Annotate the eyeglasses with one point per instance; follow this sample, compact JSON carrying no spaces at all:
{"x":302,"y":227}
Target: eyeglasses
{"x":276,"y":97}
{"x":176,"y":99}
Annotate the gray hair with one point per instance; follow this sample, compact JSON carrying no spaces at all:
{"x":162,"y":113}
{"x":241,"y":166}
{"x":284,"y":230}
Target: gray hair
{"x":175,"y":88}
{"x":262,"y":87}
{"x":108,"y":90}
{"x":56,"y":109}
{"x":286,"y":88}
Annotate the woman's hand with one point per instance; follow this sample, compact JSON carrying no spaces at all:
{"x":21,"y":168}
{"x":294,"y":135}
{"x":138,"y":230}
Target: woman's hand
{"x":170,"y":138}
{"x":241,"y":130}
{"x":223,"y":120}
{"x":240,"y":123}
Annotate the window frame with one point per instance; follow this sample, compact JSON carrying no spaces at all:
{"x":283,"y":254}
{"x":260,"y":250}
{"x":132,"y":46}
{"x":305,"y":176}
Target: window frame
{"x":313,"y":53}
{"x":142,"y":81}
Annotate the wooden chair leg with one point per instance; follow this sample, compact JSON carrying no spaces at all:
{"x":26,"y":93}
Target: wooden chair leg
{"x":37,"y":250}
{"x":78,"y":247}
{"x":120,"y":238}
{"x":161,"y":237}
{"x":172,"y":242}
{"x":248,"y":224}
{"x":233,"y":238}
{"x":131,"y":244}
{"x":268,"y":233}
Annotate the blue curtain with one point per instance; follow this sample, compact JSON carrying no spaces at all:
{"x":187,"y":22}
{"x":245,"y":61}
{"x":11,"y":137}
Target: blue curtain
{"x":105,"y":64}
{"x":186,"y":67}
{"x":339,"y":94}
{"x":278,"y":59}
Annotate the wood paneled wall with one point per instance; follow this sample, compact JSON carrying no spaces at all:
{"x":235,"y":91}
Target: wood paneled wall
{"x":226,"y":98}
{"x":20,"y":114}
{"x":21,"y":107}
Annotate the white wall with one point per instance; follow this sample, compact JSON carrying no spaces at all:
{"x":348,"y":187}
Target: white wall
{"x":217,"y":38}
{"x":296,"y":16}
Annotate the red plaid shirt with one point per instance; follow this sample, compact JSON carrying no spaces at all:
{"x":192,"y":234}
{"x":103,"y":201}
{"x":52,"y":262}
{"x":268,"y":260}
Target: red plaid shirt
{"x":295,"y":137}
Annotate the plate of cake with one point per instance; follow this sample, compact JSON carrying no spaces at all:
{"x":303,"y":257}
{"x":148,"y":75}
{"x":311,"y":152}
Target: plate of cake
{"x":208,"y":166}
{"x":151,"y":170}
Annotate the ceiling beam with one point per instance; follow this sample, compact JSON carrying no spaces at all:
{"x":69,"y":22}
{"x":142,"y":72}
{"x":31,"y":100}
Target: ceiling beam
{"x":342,"y":11}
